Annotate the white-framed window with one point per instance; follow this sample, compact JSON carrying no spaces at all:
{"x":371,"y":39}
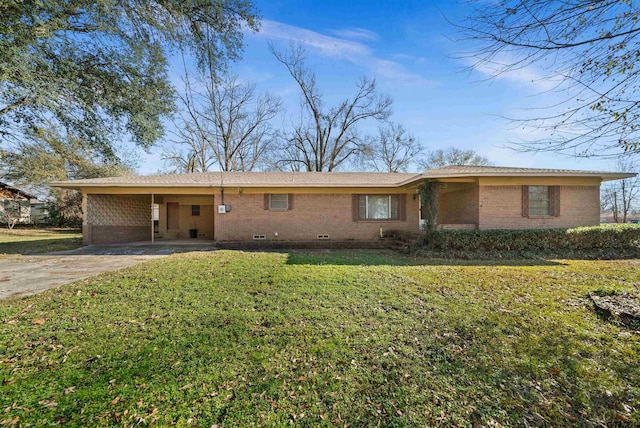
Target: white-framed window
{"x":539,"y":201}
{"x":378,"y":207}
{"x":279,"y":202}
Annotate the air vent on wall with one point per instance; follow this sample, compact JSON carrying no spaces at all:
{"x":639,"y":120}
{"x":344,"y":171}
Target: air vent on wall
{"x":323,"y":236}
{"x":259,"y":237}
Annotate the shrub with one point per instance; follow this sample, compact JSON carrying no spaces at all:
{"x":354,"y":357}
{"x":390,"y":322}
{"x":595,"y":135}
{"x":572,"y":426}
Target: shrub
{"x":65,"y":208}
{"x":605,"y":241}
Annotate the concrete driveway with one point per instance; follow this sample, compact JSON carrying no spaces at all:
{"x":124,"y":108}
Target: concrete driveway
{"x":31,"y":274}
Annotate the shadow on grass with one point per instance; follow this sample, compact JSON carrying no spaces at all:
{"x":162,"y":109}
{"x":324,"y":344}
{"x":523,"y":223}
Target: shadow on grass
{"x":316,"y":257}
{"x":394,"y":258}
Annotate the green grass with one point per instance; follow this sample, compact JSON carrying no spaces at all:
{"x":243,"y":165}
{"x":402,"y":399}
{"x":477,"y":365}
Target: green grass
{"x":322,"y":338}
{"x":33,"y":241}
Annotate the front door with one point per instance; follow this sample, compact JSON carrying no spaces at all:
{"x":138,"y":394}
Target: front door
{"x":173,"y":218}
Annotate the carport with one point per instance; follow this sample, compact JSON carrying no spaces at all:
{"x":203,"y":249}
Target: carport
{"x":130,"y":217}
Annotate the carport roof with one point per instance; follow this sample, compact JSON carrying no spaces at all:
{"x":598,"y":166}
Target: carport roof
{"x":250,"y":179}
{"x":325,"y":179}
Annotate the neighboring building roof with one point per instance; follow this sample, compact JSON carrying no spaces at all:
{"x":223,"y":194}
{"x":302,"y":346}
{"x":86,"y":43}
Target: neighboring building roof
{"x":4,"y":186}
{"x":502,"y":171}
{"x":323,"y":179}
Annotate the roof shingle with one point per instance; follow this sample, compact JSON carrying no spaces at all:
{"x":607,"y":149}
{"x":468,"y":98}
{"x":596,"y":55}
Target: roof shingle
{"x":325,"y":179}
{"x":252,"y":179}
{"x":497,"y":171}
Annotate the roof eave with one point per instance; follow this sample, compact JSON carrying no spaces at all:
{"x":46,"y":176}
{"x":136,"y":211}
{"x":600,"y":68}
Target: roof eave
{"x":602,"y":175}
{"x":18,"y":191}
{"x":78,"y":186}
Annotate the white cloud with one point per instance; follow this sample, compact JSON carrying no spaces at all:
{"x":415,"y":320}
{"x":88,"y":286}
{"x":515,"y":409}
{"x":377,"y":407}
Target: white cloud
{"x":335,"y":47}
{"x":394,"y":71}
{"x":409,"y":58}
{"x":150,"y":162}
{"x":326,"y":45}
{"x":357,"y":34}
{"x":527,"y":74}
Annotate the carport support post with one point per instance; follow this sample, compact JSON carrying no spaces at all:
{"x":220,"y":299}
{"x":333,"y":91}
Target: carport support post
{"x":152,"y":225}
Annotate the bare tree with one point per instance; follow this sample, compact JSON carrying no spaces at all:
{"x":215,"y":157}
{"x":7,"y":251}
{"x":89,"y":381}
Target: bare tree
{"x":621,"y":196}
{"x":453,"y":156}
{"x":224,"y":126}
{"x":12,"y":211}
{"x":324,"y":138}
{"x":589,"y":48}
{"x":393,"y":149}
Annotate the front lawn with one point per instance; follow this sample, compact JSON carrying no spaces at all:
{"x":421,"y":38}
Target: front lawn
{"x":324,"y":338}
{"x":33,"y":241}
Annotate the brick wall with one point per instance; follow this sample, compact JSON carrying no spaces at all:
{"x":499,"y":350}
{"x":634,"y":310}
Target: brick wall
{"x":111,"y":210}
{"x":111,"y":219}
{"x":501,"y":208}
{"x":310,"y":216}
{"x":458,"y":206}
{"x":203,"y":223}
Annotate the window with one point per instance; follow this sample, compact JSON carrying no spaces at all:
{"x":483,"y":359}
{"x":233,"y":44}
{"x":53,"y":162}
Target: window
{"x":540,"y":201}
{"x":156,"y":218}
{"x":378,"y":207}
{"x":279,"y":202}
{"x":195,"y":210}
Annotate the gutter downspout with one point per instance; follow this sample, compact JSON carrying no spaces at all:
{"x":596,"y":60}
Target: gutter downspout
{"x":213,"y":214}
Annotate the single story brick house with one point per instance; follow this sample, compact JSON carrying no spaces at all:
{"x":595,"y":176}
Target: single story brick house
{"x":307,"y":206}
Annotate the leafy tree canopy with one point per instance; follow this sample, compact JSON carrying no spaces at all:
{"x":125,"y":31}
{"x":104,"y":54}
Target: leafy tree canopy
{"x":51,"y":156}
{"x":98,"y":70}
{"x":55,"y":157}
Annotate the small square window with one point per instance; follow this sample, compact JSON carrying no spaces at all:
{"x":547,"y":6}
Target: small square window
{"x":195,"y":210}
{"x":279,"y":202}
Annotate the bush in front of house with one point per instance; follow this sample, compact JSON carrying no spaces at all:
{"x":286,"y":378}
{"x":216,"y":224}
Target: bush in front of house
{"x":604,"y":241}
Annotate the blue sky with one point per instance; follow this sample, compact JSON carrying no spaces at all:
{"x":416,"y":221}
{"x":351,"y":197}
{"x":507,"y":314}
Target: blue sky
{"x":411,"y":50}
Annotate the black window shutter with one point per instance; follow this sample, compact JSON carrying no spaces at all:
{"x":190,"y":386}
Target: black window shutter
{"x":525,"y":201}
{"x":555,"y":200}
{"x":355,"y":207}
